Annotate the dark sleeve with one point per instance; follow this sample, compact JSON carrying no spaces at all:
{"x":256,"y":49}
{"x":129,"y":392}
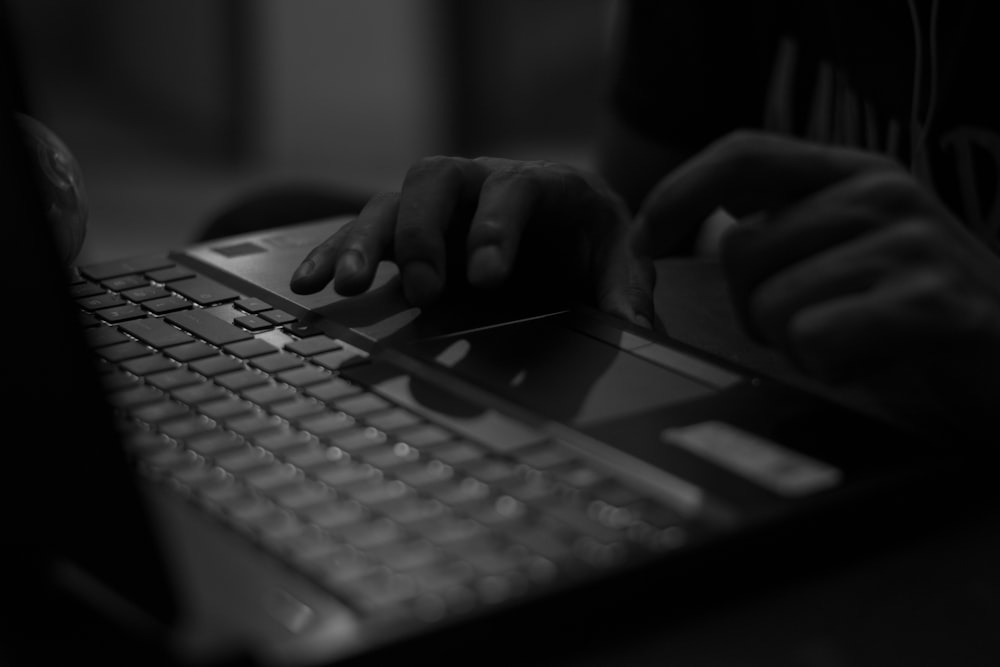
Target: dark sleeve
{"x":692,"y":70}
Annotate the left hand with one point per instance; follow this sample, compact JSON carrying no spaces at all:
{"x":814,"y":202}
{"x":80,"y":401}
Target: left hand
{"x":846,"y":264}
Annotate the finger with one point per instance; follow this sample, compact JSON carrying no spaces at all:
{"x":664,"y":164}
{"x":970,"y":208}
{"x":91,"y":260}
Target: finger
{"x":507,"y":201}
{"x":840,"y":271}
{"x":433,"y":191}
{"x":626,"y":290}
{"x":743,"y":173}
{"x":904,"y":320}
{"x":350,"y":255}
{"x":365,"y":244}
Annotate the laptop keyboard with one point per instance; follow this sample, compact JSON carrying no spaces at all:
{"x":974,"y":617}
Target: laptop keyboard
{"x":271,"y":426}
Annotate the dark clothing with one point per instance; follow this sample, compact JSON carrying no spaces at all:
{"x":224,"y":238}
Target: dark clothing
{"x":853,"y":72}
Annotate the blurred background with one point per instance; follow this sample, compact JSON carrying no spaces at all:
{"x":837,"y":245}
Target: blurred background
{"x":177,"y":108}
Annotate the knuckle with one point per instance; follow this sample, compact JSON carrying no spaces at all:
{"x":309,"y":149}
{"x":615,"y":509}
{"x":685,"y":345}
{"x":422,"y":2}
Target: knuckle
{"x":382,"y":199}
{"x":917,"y":236}
{"x":434,"y":166}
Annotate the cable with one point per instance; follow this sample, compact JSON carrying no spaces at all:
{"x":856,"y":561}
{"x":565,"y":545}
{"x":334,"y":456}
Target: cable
{"x":919,"y":140}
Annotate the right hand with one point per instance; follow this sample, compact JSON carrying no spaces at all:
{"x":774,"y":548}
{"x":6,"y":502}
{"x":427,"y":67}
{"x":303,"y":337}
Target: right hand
{"x":498,"y":222}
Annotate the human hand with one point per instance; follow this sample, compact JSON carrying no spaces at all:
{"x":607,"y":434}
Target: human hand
{"x":845,"y":263}
{"x":487,"y":223}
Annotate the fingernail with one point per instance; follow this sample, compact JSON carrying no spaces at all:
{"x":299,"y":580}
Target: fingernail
{"x":642,"y":321}
{"x":350,"y":262}
{"x":421,"y":283}
{"x":486,"y":266}
{"x":305,"y":269}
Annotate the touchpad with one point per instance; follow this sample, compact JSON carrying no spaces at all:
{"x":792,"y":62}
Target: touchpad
{"x":559,"y":373}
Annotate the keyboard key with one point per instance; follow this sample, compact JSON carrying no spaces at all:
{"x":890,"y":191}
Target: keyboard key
{"x":243,"y":459}
{"x":199,"y":393}
{"x":136,"y":396}
{"x":122,"y":283}
{"x":169,"y":274}
{"x":412,"y":509}
{"x":385,"y":457}
{"x":173,"y":379}
{"x":252,"y":424}
{"x":342,"y":473}
{"x":308,"y":347}
{"x":160,"y":411}
{"x":488,"y":470}
{"x":448,"y":529}
{"x":99,"y":301}
{"x":404,"y":556}
{"x":278,"y":528}
{"x":336,"y":388}
{"x":304,"y":376}
{"x":277,"y":316}
{"x":216,"y":365}
{"x":460,"y":492}
{"x":246,"y":349}
{"x":356,"y":438}
{"x":242,"y":379}
{"x":371,"y":534}
{"x":85,"y":289}
{"x":155,"y":332}
{"x":393,"y":419}
{"x":146,"y":293}
{"x":456,"y":452}
{"x":187,"y":427}
{"x":101,"y":336}
{"x":326,"y":423}
{"x":424,"y":435}
{"x":577,"y":518}
{"x":268,"y":393}
{"x":302,"y":329}
{"x":614,"y":493}
{"x":313,"y":456}
{"x":208,"y":327}
{"x":272,"y":476}
{"x":543,"y":540}
{"x":252,"y":323}
{"x":273,"y":363}
{"x":337,"y":514}
{"x":301,"y":493}
{"x":543,"y":457}
{"x":148,"y":365}
{"x":121,"y":313}
{"x":166,"y":305}
{"x":210,"y":444}
{"x":119,"y":352}
{"x":204,"y":291}
{"x":225,"y":408}
{"x":579,"y":476}
{"x":281,"y":440}
{"x":297,"y":408}
{"x":116,"y":380}
{"x":337,"y":359}
{"x":191,"y":351}
{"x":252,"y":305}
{"x":374,"y":491}
{"x":314,"y":546}
{"x":489,"y":556}
{"x":424,"y":473}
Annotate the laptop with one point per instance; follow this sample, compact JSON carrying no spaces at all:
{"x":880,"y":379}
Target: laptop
{"x":220,"y":469}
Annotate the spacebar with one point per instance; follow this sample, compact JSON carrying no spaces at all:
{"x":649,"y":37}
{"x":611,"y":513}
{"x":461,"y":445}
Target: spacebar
{"x":208,"y":327}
